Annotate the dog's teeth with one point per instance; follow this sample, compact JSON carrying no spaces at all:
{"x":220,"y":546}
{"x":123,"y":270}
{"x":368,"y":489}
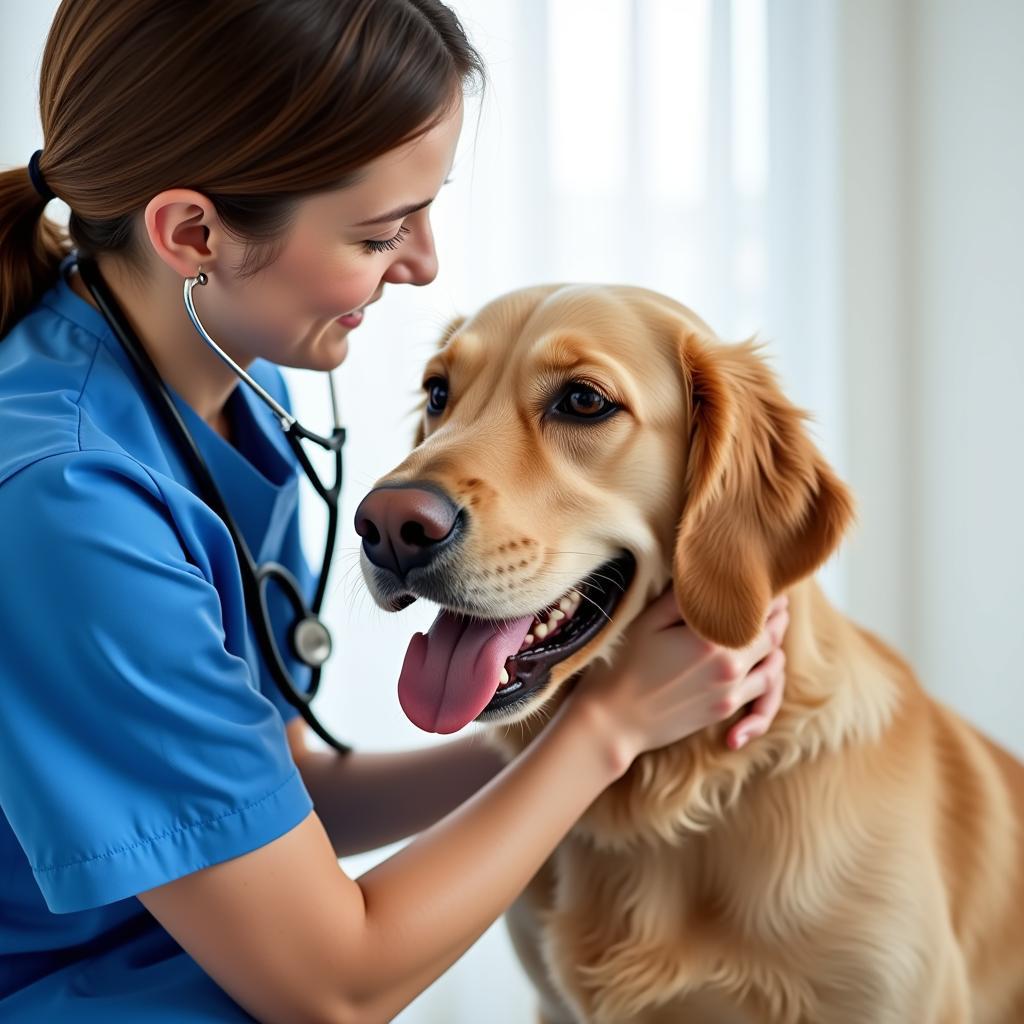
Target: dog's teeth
{"x":527,"y":641}
{"x":565,"y":604}
{"x":504,"y":676}
{"x":540,"y":631}
{"x":556,"y":615}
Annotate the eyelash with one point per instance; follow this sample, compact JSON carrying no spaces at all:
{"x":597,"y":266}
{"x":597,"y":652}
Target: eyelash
{"x":386,"y":244}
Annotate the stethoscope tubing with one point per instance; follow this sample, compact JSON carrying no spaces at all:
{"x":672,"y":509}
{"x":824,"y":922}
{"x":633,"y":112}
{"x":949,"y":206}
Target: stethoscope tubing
{"x":254,"y":577}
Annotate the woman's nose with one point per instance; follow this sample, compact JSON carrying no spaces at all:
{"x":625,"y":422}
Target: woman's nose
{"x":417,"y":262}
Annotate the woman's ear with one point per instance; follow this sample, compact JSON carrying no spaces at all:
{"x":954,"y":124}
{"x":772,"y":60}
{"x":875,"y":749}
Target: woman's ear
{"x":450,"y":328}
{"x":761,"y":507}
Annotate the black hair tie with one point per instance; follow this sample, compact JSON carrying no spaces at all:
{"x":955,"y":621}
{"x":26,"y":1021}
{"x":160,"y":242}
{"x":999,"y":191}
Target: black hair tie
{"x":38,"y":181}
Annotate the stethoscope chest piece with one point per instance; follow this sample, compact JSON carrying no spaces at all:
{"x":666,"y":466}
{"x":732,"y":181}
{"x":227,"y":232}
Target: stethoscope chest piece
{"x":312,"y":641}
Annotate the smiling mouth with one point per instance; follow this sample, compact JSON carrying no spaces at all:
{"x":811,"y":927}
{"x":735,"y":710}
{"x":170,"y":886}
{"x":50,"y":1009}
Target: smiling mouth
{"x":559,"y":632}
{"x":355,"y":317}
{"x":467,"y":668}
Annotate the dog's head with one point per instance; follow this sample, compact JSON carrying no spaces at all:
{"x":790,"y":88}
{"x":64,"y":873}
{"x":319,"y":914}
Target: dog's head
{"x":579,"y":445}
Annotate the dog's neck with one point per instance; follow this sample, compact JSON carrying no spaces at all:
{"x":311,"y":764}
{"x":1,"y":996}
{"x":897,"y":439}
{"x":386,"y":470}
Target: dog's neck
{"x":691,"y":784}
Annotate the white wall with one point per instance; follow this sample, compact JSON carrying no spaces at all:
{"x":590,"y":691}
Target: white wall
{"x":967,"y":316}
{"x":873,"y":172}
{"x":931,"y":315}
{"x":23,"y":28}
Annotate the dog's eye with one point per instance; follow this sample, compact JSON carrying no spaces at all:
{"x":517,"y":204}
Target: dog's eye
{"x":583,"y":402}
{"x":437,"y":395}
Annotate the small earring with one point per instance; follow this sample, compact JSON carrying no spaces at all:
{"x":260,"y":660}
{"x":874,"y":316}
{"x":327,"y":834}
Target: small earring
{"x":201,"y":278}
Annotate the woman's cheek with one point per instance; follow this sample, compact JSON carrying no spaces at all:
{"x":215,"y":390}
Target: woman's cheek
{"x":348,"y":292}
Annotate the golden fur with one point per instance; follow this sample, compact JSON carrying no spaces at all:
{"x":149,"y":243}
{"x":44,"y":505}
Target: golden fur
{"x":863,"y":862}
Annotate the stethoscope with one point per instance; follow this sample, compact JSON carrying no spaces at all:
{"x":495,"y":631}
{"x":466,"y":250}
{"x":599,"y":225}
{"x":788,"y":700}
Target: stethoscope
{"x":308,"y":637}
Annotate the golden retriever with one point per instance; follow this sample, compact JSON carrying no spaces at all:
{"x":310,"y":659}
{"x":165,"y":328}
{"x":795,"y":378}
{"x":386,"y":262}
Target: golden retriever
{"x":864,"y":861}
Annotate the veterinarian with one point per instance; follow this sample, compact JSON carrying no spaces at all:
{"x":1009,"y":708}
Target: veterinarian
{"x":168,"y":845}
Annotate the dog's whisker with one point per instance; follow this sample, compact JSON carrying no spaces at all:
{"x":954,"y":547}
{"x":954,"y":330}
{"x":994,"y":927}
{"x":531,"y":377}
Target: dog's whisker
{"x":346,"y":576}
{"x":618,"y":584}
{"x":597,"y":606}
{"x":586,"y":581}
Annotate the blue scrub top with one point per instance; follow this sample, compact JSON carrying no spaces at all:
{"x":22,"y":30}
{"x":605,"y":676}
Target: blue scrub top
{"x":141,"y":735}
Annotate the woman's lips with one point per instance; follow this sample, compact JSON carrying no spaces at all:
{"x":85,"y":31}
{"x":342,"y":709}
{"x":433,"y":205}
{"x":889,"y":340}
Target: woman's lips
{"x":351,"y":320}
{"x":355,"y":318}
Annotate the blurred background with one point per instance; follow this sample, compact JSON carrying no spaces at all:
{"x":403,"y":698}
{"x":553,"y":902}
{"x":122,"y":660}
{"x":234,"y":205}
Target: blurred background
{"x":843,"y":177}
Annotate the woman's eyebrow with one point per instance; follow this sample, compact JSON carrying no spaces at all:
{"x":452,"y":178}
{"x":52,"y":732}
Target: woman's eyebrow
{"x":399,"y":214}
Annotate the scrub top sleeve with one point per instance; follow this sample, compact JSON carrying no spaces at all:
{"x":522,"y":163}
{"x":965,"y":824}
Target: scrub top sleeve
{"x":135,"y":747}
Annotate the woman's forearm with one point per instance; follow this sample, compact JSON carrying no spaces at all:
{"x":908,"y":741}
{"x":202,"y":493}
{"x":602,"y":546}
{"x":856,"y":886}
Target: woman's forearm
{"x":429,"y":902}
{"x":367,"y":800}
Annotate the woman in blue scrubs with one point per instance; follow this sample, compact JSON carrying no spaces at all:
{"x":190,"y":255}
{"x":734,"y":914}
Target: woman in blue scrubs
{"x":168,"y":845}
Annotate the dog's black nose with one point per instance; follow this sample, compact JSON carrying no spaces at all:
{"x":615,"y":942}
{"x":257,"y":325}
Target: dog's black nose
{"x":406,"y":526}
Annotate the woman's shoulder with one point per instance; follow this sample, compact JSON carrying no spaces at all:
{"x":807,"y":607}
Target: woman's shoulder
{"x":65,"y":390}
{"x":79,"y":454}
{"x":70,"y":499}
{"x":45,"y":364}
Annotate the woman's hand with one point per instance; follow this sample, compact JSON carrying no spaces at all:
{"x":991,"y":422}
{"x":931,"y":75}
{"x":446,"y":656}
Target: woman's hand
{"x":666,"y":682}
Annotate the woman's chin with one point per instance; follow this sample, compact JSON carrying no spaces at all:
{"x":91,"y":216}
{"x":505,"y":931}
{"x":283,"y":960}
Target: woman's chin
{"x":338,"y":351}
{"x":331,"y":349}
{"x":323,"y":352}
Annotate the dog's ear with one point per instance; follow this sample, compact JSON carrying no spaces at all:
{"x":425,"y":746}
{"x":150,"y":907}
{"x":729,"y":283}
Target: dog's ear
{"x":761,"y":507}
{"x":450,"y":328}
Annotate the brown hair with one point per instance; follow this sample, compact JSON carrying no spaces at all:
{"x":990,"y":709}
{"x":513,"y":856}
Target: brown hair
{"x":254,"y":103}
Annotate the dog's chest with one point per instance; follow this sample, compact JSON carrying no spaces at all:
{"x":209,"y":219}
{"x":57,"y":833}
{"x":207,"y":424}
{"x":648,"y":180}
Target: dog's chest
{"x":626,"y":929}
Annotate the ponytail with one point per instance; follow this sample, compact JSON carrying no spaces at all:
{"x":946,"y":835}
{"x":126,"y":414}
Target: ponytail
{"x":31,"y":247}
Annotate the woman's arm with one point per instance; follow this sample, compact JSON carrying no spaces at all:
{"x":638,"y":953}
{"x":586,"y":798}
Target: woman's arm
{"x":294,"y":940}
{"x":367,"y":800}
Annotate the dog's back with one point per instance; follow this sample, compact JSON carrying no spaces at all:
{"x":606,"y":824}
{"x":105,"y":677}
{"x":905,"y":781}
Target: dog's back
{"x":979,"y":823}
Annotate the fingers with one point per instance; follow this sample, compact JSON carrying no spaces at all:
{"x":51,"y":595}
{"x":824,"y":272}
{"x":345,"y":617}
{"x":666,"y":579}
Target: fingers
{"x":772,"y":634}
{"x":778,"y":619}
{"x":662,"y":612}
{"x":766,"y":682}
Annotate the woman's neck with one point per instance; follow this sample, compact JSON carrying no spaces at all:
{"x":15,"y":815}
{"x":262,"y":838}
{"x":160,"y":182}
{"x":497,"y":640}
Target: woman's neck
{"x":183,"y":359}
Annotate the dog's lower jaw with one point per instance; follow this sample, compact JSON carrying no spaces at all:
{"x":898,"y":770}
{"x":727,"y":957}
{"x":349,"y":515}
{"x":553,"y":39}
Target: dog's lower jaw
{"x":512,"y":738}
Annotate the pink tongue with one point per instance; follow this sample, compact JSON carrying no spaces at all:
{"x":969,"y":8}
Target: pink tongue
{"x":451,"y":673}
